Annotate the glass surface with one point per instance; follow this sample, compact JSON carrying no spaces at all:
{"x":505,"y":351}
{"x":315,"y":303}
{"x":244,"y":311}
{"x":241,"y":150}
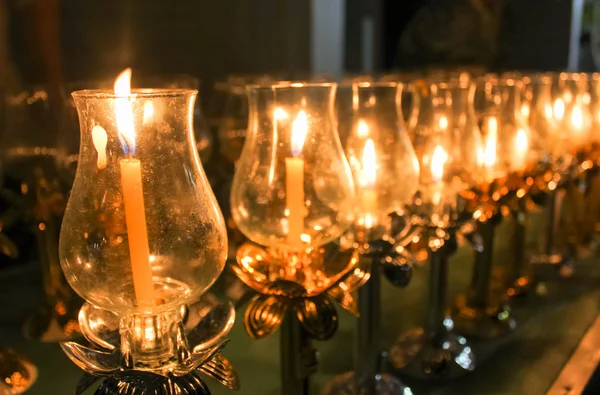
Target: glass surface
{"x":448,"y":154}
{"x":572,"y":117}
{"x":506,"y":135}
{"x":292,"y":188}
{"x":142,"y":232}
{"x":379,"y":151}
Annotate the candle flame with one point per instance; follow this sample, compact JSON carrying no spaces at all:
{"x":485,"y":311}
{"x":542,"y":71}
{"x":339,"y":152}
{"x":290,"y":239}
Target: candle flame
{"x":123,"y":111}
{"x":299,"y":130}
{"x":577,"y":118}
{"x":521,"y":144}
{"x":443,"y":122}
{"x":438,"y":160}
{"x":491,"y":141}
{"x":559,"y":109}
{"x":362,"y":129}
{"x":280,"y":113}
{"x":525,"y":110}
{"x":369,"y":163}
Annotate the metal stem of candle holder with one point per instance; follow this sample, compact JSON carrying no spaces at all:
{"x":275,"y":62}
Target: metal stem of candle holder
{"x":368,"y":377}
{"x":298,"y":357}
{"x":520,"y":279}
{"x":482,"y":314}
{"x":302,"y":316}
{"x":435,"y":352}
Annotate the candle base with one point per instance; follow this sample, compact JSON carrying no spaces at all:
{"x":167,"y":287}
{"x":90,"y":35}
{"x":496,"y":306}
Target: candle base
{"x":380,"y":384}
{"x":159,"y":354}
{"x":417,"y":356}
{"x":484,"y":323}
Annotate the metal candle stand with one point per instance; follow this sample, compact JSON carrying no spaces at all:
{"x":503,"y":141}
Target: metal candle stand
{"x":198,"y":352}
{"x":435,"y":352}
{"x":480,"y":315}
{"x":303,"y":316}
{"x":394,"y":262}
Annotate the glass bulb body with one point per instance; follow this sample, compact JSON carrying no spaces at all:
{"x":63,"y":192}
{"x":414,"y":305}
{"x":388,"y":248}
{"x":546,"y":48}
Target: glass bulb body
{"x":380,"y":153}
{"x":541,"y":116}
{"x":292,"y":188}
{"x":447,"y":167}
{"x":572,"y":116}
{"x":142,"y":233}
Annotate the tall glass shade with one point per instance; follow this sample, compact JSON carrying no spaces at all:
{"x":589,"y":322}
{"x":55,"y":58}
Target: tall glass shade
{"x":293,"y":189}
{"x":142,"y":233}
{"x":380,"y":153}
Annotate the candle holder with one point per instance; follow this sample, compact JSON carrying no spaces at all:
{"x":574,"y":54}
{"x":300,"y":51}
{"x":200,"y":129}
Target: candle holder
{"x":303,"y":309}
{"x":293,"y":193}
{"x":570,"y":132}
{"x":448,"y":152}
{"x":380,"y":153}
{"x":142,"y":239}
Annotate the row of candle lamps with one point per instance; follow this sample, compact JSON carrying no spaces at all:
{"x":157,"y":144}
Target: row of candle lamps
{"x":316,"y":175}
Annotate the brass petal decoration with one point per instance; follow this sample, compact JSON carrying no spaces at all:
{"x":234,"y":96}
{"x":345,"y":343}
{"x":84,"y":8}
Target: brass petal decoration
{"x":264,"y":315}
{"x":220,"y":369}
{"x":92,"y":361}
{"x":345,"y":299}
{"x":318,"y":317}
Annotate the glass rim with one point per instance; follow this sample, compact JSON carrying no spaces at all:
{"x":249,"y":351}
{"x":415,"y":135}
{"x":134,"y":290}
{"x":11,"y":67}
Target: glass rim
{"x":372,"y":84}
{"x":291,"y":84}
{"x":135,"y":93}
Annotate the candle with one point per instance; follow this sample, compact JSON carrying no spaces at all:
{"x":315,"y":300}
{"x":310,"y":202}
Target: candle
{"x":133,"y":197}
{"x":369,"y":195}
{"x":294,"y":187}
{"x":520,"y":152}
{"x":491,"y":141}
{"x":559,"y":109}
{"x":438,"y":160}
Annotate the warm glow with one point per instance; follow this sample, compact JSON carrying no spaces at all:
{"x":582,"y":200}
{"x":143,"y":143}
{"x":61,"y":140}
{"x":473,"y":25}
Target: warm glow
{"x":369,"y":164}
{"x":521,"y":141}
{"x":299,"y":130}
{"x":548,"y":111}
{"x":148,"y":112}
{"x":491,"y":142}
{"x":438,"y":160}
{"x":525,"y":110}
{"x":577,"y":118}
{"x":123,"y":111}
{"x":362,"y":129}
{"x":279,"y":113}
{"x":559,"y":109}
{"x":443,"y":123}
{"x":100,"y":139}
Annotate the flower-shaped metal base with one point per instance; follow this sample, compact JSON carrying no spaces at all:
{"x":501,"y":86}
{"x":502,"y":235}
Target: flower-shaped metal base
{"x":16,"y":373}
{"x":416,"y":356}
{"x":311,"y":301}
{"x":206,"y":323}
{"x":382,"y":384}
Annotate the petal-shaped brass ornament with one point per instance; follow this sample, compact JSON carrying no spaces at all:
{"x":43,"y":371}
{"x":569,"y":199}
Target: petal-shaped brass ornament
{"x":220,"y":369}
{"x":318,"y":317}
{"x":345,"y":299}
{"x":264,"y":315}
{"x":252,"y":266}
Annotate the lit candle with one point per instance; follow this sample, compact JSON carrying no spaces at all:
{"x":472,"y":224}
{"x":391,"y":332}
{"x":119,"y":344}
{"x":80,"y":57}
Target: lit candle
{"x":133,"y":197}
{"x":294,"y":187}
{"x":559,"y":109}
{"x":369,"y":195}
{"x":438,"y":160}
{"x":519,"y":159}
{"x":491,"y":141}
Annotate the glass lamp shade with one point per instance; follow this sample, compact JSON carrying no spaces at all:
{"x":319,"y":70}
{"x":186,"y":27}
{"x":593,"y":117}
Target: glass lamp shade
{"x":142,"y":233}
{"x":541,"y":115}
{"x":292,"y":188}
{"x":447,"y":154}
{"x":380,"y":153}
{"x":572,"y":116}
{"x":506,"y":135}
